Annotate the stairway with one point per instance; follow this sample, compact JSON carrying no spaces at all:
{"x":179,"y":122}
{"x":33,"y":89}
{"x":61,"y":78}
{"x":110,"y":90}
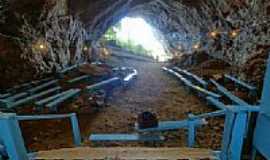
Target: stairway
{"x":127,"y":154}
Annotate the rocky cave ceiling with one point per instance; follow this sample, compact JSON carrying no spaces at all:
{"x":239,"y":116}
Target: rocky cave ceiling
{"x":181,"y":22}
{"x":178,"y":21}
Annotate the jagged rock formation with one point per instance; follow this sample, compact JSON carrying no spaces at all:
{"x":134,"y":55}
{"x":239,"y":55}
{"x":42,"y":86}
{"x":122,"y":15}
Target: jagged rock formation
{"x":54,"y":42}
{"x":239,"y":25}
{"x":230,"y":30}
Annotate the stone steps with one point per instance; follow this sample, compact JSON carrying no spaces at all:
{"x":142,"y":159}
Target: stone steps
{"x":127,"y":153}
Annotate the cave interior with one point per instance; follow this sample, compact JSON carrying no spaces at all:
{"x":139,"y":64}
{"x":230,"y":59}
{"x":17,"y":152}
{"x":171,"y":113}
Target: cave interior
{"x":134,"y":79}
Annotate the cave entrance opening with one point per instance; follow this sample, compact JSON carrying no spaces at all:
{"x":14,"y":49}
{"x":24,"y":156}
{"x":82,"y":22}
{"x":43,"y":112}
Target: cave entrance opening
{"x":138,"y":37}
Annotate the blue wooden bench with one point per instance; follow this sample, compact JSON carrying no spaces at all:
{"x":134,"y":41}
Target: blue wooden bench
{"x":179,"y":76}
{"x":53,"y":104}
{"x":17,"y":96}
{"x":28,"y":85}
{"x":15,"y":104}
{"x":171,"y":125}
{"x":190,"y":86}
{"x":18,"y":87}
{"x":125,"y":137}
{"x":112,"y":82}
{"x":148,"y":134}
{"x":189,"y":124}
{"x":46,"y":100}
{"x":228,"y":94}
{"x":195,"y":78}
{"x":6,"y":95}
{"x":78,"y":79}
{"x":42,"y":86}
{"x":130,"y":77}
{"x":68,"y":69}
{"x":238,"y":82}
{"x":4,"y":103}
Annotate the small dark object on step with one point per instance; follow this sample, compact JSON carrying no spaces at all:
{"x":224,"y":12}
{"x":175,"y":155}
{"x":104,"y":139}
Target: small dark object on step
{"x":98,"y":99}
{"x":147,"y":120}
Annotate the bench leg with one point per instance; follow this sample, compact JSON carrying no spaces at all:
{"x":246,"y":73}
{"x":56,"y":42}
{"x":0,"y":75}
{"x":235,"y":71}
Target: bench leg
{"x":75,"y":130}
{"x":191,"y":132}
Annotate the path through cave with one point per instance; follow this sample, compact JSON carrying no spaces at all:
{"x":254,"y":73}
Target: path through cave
{"x":154,"y":90}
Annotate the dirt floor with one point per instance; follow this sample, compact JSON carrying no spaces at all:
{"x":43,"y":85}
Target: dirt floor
{"x":153,"y":91}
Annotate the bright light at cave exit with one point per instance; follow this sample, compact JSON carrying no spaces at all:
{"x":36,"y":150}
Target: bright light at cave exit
{"x":140,"y":32}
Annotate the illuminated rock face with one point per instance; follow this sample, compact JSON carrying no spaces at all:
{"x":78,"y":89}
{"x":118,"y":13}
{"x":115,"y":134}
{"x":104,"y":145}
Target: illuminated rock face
{"x":241,"y":24}
{"x":180,"y":23}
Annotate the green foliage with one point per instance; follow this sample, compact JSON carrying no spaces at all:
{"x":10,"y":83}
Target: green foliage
{"x":111,"y":38}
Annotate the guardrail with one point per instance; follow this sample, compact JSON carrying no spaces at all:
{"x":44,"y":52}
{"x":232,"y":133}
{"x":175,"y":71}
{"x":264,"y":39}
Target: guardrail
{"x":241,"y":83}
{"x":228,"y":94}
{"x":11,"y":137}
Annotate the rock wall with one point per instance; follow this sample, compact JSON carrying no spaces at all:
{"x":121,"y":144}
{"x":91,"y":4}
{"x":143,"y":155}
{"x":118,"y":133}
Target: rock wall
{"x":14,"y":68}
{"x":230,"y":30}
{"x":240,"y":25}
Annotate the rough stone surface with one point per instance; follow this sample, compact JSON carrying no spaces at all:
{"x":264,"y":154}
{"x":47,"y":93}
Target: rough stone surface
{"x":184,"y":23}
{"x":179,"y":24}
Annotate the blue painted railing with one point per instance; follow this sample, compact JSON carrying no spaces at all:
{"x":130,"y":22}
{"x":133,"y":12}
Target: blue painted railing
{"x":261,"y":140}
{"x":239,"y":83}
{"x":11,"y":135}
{"x":228,"y":94}
{"x":216,"y":103}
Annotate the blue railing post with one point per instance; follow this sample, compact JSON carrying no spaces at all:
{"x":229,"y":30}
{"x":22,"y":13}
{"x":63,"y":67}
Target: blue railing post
{"x":265,"y":102}
{"x":238,"y":134}
{"x":11,"y":136}
{"x":191,"y":131}
{"x":229,"y":121}
{"x":75,"y":130}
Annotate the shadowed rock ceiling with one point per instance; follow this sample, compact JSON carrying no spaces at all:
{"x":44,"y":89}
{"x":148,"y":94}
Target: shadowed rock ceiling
{"x":179,"y":21}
